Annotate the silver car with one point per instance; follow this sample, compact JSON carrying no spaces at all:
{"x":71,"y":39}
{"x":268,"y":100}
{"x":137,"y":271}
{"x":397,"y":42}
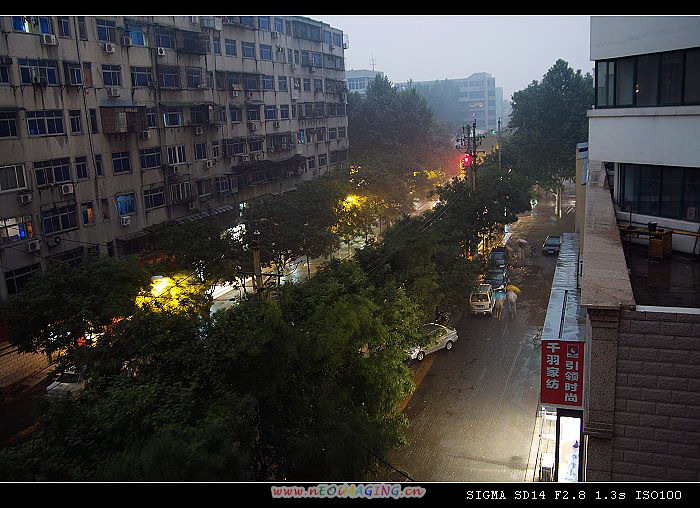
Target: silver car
{"x":67,"y":384}
{"x":441,"y":337}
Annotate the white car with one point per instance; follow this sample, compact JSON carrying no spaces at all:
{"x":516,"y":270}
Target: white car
{"x":67,"y":384}
{"x":482,"y":301}
{"x":441,"y":337}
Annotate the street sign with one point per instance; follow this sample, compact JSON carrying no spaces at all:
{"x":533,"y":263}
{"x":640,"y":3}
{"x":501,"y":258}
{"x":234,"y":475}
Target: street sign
{"x":562,"y":373}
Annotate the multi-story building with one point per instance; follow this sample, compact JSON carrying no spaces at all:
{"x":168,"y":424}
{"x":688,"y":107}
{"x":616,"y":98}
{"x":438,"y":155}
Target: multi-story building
{"x":359,"y":79}
{"x":639,"y":232}
{"x":110,"y":125}
{"x":479,"y":98}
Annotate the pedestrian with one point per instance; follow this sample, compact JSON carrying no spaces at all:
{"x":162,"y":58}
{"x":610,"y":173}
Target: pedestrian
{"x":511,"y":298}
{"x":499,"y":298}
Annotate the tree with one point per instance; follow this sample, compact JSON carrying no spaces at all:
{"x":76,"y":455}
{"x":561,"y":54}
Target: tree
{"x":550,"y":118}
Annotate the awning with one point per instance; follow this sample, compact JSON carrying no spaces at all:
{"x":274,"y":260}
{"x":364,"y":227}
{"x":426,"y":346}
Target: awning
{"x":119,"y":103}
{"x":12,"y":108}
{"x":204,"y":214}
{"x":177,"y":104}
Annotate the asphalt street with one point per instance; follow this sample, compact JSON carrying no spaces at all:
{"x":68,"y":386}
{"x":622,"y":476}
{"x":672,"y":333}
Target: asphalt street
{"x":473,"y":412}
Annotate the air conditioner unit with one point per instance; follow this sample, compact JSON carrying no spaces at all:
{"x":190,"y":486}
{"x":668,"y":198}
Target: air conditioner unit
{"x":198,"y":130}
{"x":110,"y":47}
{"x":234,"y":93}
{"x":39,"y":80}
{"x":161,"y":51}
{"x":280,"y":49}
{"x":345,"y":45}
{"x":49,"y":40}
{"x":145,"y":134}
{"x":252,"y":126}
{"x":210,"y":164}
{"x":33,"y":246}
{"x":190,"y":205}
{"x":127,"y":41}
{"x":125,"y":221}
{"x":202,"y":86}
{"x":5,"y":60}
{"x":23,"y":199}
{"x":67,"y":188}
{"x":277,"y":123}
{"x":290,"y":174}
{"x":275,"y":35}
{"x":251,"y":94}
{"x":243,"y":158}
{"x":114,"y":92}
{"x":174,"y":170}
{"x":283,"y":146}
{"x":194,"y":19}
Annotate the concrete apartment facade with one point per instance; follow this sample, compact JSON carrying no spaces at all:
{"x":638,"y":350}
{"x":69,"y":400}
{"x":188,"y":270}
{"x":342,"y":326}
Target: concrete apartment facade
{"x":642,"y":394}
{"x":359,"y":79}
{"x":110,"y":125}
{"x":479,"y":98}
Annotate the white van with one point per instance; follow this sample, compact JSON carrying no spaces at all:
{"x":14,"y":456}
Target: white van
{"x":481,"y":301}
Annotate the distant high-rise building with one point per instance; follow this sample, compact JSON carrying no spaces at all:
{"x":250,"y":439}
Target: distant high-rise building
{"x":358,"y":80}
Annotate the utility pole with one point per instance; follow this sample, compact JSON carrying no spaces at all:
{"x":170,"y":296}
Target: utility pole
{"x":255,"y":247}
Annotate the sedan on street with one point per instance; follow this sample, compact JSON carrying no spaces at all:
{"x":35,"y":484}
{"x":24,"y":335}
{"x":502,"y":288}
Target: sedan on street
{"x":551,"y":245}
{"x":498,"y":278}
{"x":439,"y":337}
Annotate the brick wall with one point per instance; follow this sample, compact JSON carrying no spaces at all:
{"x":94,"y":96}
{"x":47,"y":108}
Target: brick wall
{"x":657,"y":398}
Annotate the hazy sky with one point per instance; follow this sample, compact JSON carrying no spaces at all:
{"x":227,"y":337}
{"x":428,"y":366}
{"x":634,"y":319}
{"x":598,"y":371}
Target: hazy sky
{"x":514,"y":49}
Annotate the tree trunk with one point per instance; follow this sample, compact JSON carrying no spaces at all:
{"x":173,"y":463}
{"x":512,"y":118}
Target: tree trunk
{"x":308,"y":265}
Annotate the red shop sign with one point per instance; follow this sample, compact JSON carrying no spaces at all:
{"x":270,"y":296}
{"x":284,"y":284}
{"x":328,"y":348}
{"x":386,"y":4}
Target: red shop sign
{"x":562,"y":373}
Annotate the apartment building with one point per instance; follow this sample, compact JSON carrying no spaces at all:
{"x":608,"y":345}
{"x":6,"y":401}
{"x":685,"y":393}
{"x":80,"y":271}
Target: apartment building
{"x":110,"y":125}
{"x":479,"y":98}
{"x":359,"y":79}
{"x":639,"y":264}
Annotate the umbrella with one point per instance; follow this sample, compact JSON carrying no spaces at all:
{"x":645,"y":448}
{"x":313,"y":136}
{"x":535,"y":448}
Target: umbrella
{"x":514,"y":289}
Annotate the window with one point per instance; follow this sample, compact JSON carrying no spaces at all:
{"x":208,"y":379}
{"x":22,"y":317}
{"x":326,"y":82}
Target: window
{"x":270,"y":112}
{"x":75,"y":122}
{"x":152,"y":117}
{"x":248,"y":49}
{"x":307,"y":84}
{"x":112,"y":75}
{"x":73,"y":73}
{"x":63,"y":26}
{"x":126,"y":203}
{"x":12,"y":178}
{"x":138,"y":38}
{"x":82,"y":28}
{"x":321,"y":134}
{"x":624,"y":86}
{"x":318,"y":85}
{"x":165,"y":38}
{"x":104,"y":206}
{"x":282,"y":82}
{"x":236,"y":114}
{"x":8,"y":124}
{"x":141,"y":76}
{"x":284,"y":112}
{"x":98,"y":165}
{"x":94,"y":126}
{"x":316,"y":59}
{"x":194,"y":77}
{"x":215,"y":153}
{"x":154,"y":197}
{"x":16,"y":229}
{"x":169,"y":77}
{"x":17,"y":279}
{"x":279,"y":25}
{"x":203,"y":188}
{"x":177,"y":155}
{"x":692,"y":76}
{"x":304,"y":58}
{"x":264,"y":22}
{"x":290,"y":56}
{"x":268,"y":82}
{"x":326,"y":37}
{"x":311,"y":162}
{"x":332,"y":133}
{"x":310,"y":135}
{"x":81,"y":168}
{"x":106,"y":31}
{"x":254,"y":113}
{"x":238,"y":146}
{"x":87,"y":74}
{"x":337,"y":39}
{"x":32,"y":24}
{"x":647,"y":83}
{"x":222,"y":114}
{"x":322,"y":159}
{"x":45,"y":123}
{"x":31,"y":70}
{"x":59,"y":219}
{"x":179,"y":192}
{"x":308,"y":109}
{"x":200,"y":151}
{"x":342,"y":132}
{"x":605,"y":75}
{"x":172,"y":117}
{"x":672,"y":78}
{"x":265,"y":52}
{"x":87,"y":212}
{"x":150,"y":158}
{"x":222,"y":185}
{"x":255,"y":145}
{"x":4,"y":74}
{"x":230,"y":47}
{"x":121,"y":162}
{"x":217,"y":45}
{"x":199,"y":115}
{"x":251,"y":82}
{"x":300,"y":137}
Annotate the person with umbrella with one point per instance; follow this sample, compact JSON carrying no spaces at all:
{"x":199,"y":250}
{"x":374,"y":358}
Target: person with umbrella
{"x":499,"y":298}
{"x":512,"y":292}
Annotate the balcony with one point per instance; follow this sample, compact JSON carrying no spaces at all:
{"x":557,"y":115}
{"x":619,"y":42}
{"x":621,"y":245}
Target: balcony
{"x":193,"y":44}
{"x":123,"y":120}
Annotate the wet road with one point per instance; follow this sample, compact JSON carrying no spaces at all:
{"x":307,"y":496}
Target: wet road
{"x":473,"y":413}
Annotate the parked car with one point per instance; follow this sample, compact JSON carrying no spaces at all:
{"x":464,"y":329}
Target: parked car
{"x":440,"y":337}
{"x":498,"y":278}
{"x":482,"y":300}
{"x":67,"y":384}
{"x":551,"y":245}
{"x":498,"y":257}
